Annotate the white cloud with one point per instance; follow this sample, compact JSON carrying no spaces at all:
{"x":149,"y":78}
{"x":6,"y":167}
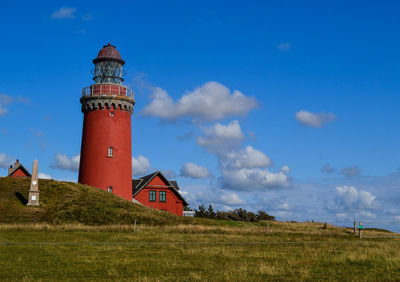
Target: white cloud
{"x":5,"y":160}
{"x":44,"y":176}
{"x":87,"y":17}
{"x":282,"y":206}
{"x":7,"y":100}
{"x":64,"y":13}
{"x":252,"y":135}
{"x":232,"y":199}
{"x":37,"y":133}
{"x":327,"y":168}
{"x":63,"y":162}
{"x":193,"y":170}
{"x":221,"y":136}
{"x":285,"y":169}
{"x":21,"y":100}
{"x":366,"y":214}
{"x":241,"y":169}
{"x":244,"y":169}
{"x":186,"y":136}
{"x":3,"y":111}
{"x":247,"y":158}
{"x":350,"y":171}
{"x":140,"y":165}
{"x":284,"y":46}
{"x":314,"y":119}
{"x":342,"y":215}
{"x":253,"y":179}
{"x":284,"y":215}
{"x":210,"y":102}
{"x":366,"y":199}
{"x":349,"y":197}
{"x":168,"y":173}
{"x":314,"y":200}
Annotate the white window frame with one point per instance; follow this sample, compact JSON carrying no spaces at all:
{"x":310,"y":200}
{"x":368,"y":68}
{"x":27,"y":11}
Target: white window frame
{"x":110,"y":189}
{"x":110,"y":152}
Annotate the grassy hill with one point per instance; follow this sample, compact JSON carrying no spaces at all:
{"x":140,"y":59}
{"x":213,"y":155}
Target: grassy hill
{"x":65,"y":202}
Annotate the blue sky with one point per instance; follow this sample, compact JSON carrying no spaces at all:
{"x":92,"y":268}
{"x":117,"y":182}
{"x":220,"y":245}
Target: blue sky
{"x":302,"y":120}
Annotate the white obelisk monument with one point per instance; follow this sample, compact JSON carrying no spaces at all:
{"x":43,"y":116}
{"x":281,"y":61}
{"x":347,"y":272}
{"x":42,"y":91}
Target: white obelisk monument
{"x":34,"y":190}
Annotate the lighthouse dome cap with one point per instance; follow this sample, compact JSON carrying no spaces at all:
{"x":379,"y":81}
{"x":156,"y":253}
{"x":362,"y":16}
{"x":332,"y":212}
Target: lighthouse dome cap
{"x":107,"y":53}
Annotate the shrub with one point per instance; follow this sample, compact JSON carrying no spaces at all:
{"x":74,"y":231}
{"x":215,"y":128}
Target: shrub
{"x":235,"y":215}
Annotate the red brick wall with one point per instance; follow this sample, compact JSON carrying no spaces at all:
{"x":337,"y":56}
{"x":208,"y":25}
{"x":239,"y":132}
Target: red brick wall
{"x":101,"y":131}
{"x":172,"y":204}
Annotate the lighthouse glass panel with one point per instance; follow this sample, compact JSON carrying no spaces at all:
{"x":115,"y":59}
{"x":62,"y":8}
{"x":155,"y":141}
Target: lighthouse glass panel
{"x":108,"y":72}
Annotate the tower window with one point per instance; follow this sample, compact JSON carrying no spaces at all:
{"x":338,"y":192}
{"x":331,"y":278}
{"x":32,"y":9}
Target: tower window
{"x":110,"y":152}
{"x":163,"y":196}
{"x":152,"y":196}
{"x":109,"y":189}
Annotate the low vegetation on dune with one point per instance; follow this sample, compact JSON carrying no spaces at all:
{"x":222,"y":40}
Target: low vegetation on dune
{"x":65,"y":202}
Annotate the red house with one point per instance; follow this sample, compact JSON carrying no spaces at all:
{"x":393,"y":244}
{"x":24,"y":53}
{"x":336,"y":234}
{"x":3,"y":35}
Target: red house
{"x":155,"y":191}
{"x":18,"y":171}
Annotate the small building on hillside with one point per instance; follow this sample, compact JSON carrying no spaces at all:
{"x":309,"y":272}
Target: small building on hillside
{"x":155,"y":191}
{"x":18,"y":171}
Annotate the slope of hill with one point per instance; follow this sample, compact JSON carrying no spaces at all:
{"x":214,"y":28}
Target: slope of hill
{"x":66,"y":202}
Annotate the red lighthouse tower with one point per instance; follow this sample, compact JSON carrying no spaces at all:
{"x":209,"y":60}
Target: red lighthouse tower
{"x":107,"y":105}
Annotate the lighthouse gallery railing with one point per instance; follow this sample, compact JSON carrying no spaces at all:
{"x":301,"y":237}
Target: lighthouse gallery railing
{"x":107,"y":90}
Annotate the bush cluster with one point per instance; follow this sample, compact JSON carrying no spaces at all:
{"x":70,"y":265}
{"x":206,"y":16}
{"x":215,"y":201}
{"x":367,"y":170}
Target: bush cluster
{"x":236,"y":215}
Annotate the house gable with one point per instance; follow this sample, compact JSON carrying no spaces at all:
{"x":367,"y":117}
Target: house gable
{"x":155,"y":191}
{"x":19,"y":171}
{"x":157,"y":181}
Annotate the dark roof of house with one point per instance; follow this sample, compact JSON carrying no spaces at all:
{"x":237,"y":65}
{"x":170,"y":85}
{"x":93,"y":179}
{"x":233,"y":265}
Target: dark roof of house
{"x":175,"y":184}
{"x":20,"y":166}
{"x":135,"y":183}
{"x":139,"y":184}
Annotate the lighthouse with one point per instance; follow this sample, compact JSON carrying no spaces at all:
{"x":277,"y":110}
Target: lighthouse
{"x":106,"y":149}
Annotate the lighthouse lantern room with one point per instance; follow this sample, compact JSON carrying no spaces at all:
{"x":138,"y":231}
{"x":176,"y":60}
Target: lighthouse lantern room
{"x":107,"y":105}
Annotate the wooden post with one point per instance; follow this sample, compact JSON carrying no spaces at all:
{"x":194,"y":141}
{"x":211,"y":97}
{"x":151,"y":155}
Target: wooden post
{"x":134,"y":228}
{"x":355,"y":227}
{"x":360,"y":228}
{"x":267,"y":227}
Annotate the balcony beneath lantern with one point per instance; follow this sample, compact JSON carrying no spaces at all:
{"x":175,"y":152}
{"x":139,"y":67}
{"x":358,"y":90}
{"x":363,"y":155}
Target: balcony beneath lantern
{"x":114,"y":90}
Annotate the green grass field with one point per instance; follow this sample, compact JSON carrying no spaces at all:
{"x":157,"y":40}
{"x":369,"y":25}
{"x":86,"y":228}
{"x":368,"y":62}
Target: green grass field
{"x":65,"y":240}
{"x":195,"y":252}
